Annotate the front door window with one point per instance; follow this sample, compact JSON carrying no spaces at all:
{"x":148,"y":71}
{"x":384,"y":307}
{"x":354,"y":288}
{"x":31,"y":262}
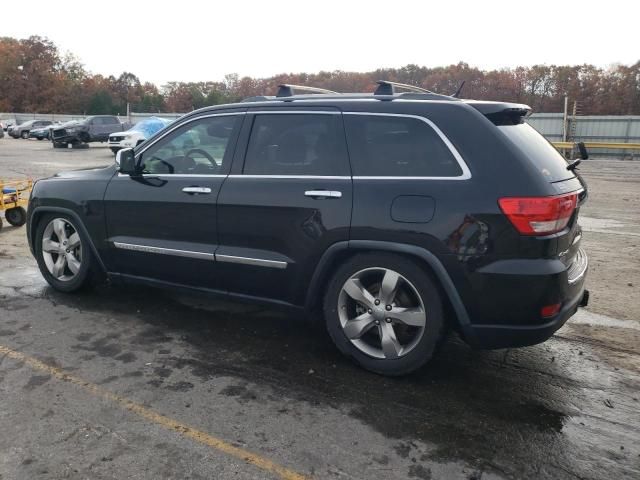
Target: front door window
{"x":197,"y":148}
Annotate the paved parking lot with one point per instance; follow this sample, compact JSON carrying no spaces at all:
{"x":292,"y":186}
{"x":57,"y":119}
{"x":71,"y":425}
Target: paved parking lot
{"x":141,"y":383}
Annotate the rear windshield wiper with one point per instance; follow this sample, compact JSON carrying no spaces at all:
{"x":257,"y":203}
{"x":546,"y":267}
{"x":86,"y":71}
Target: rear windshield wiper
{"x":572,"y":166}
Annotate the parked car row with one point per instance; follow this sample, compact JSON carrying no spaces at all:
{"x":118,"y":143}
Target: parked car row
{"x":22,"y":130}
{"x":96,"y":128}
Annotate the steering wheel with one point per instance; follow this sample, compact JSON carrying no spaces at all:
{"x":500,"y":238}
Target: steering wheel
{"x":201,"y":152}
{"x":159,"y":160}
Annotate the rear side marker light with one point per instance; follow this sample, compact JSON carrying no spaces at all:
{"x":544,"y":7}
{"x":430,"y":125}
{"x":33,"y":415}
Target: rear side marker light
{"x":539,"y":215}
{"x":550,"y":310}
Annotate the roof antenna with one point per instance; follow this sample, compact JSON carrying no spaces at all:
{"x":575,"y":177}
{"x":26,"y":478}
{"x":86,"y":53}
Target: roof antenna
{"x":457,"y":94}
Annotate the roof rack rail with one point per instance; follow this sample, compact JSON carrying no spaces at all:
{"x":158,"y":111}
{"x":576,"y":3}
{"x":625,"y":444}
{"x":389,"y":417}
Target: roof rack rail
{"x":389,"y":88}
{"x":286,"y":90}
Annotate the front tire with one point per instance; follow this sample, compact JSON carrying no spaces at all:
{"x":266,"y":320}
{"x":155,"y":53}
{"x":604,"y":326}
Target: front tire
{"x":25,"y":135}
{"x":63,"y":253}
{"x":384,"y":312}
{"x":16,"y":216}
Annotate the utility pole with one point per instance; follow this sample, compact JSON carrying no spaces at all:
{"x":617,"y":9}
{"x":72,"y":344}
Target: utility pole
{"x":565,"y":118}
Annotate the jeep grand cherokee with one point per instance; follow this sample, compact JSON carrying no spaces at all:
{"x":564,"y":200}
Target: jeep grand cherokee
{"x":397,"y":215}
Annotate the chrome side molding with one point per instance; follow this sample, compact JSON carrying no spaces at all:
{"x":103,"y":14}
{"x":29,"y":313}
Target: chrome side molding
{"x":164,"y":251}
{"x":259,"y":262}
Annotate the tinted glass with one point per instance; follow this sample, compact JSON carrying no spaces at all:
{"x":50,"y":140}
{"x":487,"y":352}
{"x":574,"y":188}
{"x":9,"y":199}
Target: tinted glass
{"x":110,"y":120}
{"x":197,"y":148}
{"x":297,"y":144}
{"x":544,"y":155}
{"x":397,"y":147}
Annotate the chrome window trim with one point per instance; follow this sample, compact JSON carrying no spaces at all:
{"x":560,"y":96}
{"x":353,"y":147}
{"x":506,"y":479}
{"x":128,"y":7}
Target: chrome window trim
{"x":466,"y":173}
{"x":260,"y":262}
{"x":194,"y":119}
{"x":163,"y":251}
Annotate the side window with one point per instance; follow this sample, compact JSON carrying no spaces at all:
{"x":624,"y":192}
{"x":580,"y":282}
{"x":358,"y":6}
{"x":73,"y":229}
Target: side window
{"x":398,"y":147}
{"x":110,"y":120}
{"x":196,"y":148}
{"x":297,"y":144}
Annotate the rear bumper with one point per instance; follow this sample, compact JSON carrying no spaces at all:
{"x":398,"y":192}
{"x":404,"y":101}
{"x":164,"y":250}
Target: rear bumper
{"x":510,"y":336}
{"x":508,"y":301}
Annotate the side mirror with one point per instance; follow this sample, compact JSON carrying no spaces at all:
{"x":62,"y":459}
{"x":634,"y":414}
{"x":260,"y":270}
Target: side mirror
{"x":126,"y":161}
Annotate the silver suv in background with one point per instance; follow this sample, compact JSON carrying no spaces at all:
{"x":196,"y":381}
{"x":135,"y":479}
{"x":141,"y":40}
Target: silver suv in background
{"x":22,"y":130}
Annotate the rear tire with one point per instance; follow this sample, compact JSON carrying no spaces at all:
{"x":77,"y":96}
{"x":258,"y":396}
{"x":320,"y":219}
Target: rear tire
{"x":67,"y":267}
{"x":40,"y":138}
{"x":399,"y":322}
{"x":16,"y":216}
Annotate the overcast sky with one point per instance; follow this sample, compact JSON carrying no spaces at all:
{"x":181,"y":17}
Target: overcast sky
{"x":190,"y":40}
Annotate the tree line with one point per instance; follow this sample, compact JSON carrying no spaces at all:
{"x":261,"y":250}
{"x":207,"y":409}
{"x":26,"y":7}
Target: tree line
{"x":36,"y":77}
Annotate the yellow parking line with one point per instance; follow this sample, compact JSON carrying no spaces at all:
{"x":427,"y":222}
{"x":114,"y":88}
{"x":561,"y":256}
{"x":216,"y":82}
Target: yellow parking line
{"x":157,"y":418}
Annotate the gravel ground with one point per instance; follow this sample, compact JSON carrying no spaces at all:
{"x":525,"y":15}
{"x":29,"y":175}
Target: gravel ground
{"x":141,"y":383}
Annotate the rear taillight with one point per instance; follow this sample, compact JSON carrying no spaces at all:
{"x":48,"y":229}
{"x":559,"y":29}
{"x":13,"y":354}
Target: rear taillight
{"x":539,"y":215}
{"x":549,"y":311}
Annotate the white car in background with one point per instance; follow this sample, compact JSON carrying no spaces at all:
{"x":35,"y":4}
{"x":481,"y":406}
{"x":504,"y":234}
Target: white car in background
{"x":137,"y":134}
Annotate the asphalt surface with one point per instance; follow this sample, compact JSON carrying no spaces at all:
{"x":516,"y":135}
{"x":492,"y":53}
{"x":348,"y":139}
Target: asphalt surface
{"x":146,"y":384}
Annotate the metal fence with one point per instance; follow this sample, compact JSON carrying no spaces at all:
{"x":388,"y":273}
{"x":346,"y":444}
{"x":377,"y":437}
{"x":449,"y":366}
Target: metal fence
{"x":591,"y":128}
{"x":583,"y":129}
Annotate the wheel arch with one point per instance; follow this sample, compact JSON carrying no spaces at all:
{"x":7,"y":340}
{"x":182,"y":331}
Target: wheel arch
{"x":38,"y":212}
{"x":339,"y":252}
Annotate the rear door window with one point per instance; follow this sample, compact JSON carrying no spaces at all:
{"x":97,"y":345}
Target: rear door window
{"x":397,"y":146}
{"x":297,"y":144}
{"x":544,"y":155}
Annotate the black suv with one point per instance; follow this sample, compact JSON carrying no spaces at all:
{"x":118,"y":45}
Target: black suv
{"x":398,"y":215}
{"x":96,"y":128}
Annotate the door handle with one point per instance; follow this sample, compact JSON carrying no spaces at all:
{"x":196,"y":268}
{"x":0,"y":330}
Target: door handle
{"x":323,"y":194}
{"x":196,"y":190}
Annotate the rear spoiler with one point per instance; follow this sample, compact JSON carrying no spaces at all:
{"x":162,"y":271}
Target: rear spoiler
{"x":502,"y":113}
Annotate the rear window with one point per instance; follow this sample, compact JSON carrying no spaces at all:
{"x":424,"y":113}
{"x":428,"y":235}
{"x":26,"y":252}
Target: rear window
{"x":544,"y":155}
{"x":385,"y":145}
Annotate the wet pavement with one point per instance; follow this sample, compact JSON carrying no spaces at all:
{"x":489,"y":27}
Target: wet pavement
{"x":274,"y":385}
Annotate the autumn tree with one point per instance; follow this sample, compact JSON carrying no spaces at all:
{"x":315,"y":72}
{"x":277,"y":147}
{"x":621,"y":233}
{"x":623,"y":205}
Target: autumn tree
{"x":36,"y":77}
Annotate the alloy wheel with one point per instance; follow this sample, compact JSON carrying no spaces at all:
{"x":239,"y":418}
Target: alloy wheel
{"x":381,"y":313}
{"x":62,"y":249}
